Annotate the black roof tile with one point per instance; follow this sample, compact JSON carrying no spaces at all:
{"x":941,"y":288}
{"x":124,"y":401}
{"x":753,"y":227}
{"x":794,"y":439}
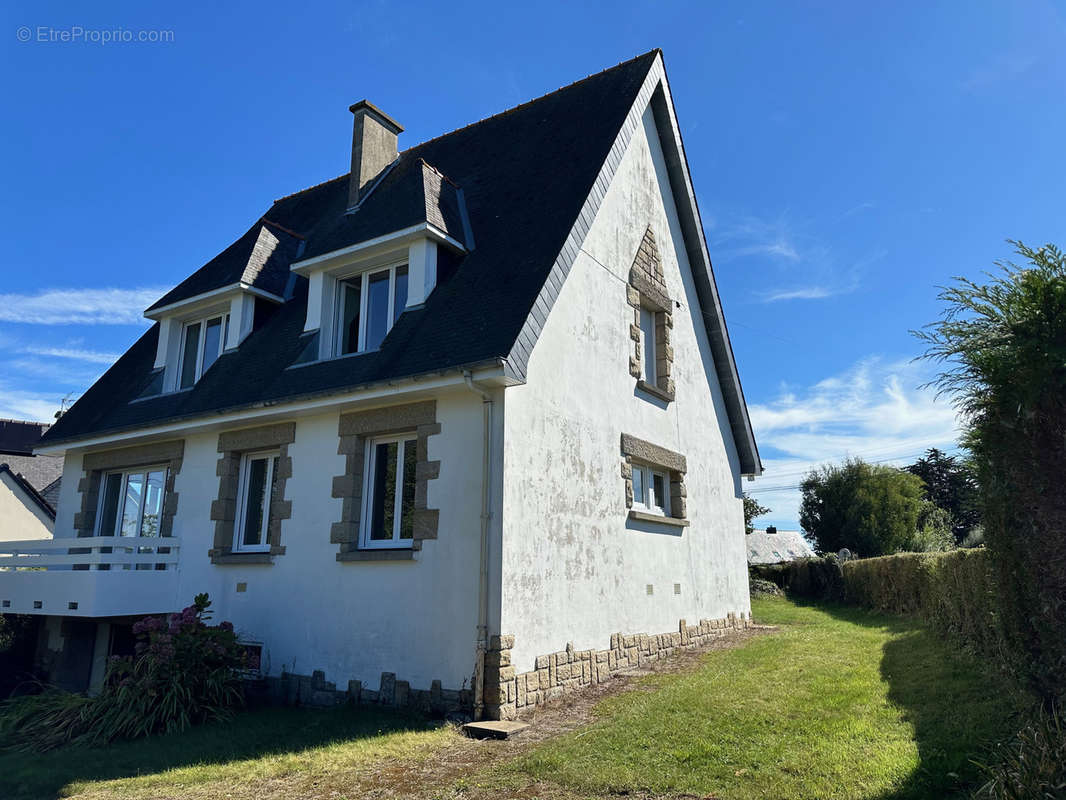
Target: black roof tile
{"x":523,"y":174}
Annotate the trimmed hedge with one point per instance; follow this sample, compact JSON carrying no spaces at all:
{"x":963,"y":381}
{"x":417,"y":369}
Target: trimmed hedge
{"x":955,"y":592}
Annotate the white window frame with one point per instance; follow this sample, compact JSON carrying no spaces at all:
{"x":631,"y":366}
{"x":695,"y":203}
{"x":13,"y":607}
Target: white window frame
{"x":125,"y":473}
{"x":365,"y":542}
{"x":242,"y":497}
{"x":648,"y":501}
{"x":201,"y":345}
{"x":647,"y":341}
{"x":364,"y":299}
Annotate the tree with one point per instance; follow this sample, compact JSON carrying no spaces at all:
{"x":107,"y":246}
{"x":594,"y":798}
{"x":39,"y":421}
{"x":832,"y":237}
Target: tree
{"x":752,"y":509}
{"x":867,"y":508}
{"x":950,"y":483}
{"x":1002,"y":345}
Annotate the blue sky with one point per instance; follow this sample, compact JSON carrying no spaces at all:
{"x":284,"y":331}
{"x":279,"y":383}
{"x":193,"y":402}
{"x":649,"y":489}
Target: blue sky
{"x":848,"y":158}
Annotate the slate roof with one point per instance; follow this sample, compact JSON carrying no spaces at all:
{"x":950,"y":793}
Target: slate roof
{"x":18,"y":436}
{"x":517,"y":181}
{"x":776,"y":548}
{"x":260,"y":258}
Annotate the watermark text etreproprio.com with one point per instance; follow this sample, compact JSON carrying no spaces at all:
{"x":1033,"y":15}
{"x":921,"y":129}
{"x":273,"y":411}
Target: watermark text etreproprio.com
{"x":78,"y":34}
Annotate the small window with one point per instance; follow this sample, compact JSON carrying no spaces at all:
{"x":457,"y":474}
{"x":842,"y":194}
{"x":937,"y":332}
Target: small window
{"x":258,"y":491}
{"x":202,"y":344}
{"x":389,"y":492}
{"x":651,"y":489}
{"x":647,"y":341}
{"x":368,"y":306}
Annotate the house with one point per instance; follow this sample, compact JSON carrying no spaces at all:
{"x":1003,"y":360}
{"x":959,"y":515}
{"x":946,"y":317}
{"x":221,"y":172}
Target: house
{"x":29,"y":484}
{"x":772,"y":546}
{"x":459,"y":429}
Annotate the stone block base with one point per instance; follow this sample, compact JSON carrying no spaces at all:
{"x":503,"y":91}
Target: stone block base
{"x":315,"y":690}
{"x":508,"y":694}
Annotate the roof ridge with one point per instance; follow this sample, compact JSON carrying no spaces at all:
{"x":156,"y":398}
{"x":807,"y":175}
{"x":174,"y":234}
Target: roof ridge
{"x":535,"y":99}
{"x":657,"y":50}
{"x":309,"y":188}
{"x":443,"y":177}
{"x":282,"y":228}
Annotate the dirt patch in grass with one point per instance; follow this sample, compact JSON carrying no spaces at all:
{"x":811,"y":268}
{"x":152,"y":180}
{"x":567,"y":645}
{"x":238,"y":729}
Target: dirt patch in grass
{"x":454,"y":771}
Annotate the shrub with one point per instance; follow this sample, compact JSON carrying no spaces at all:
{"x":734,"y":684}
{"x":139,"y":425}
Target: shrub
{"x":812,"y":578}
{"x":1003,"y":344}
{"x":955,"y":592}
{"x":869,"y":508}
{"x":184,"y":672}
{"x":1030,"y":767}
{"x":758,"y":586}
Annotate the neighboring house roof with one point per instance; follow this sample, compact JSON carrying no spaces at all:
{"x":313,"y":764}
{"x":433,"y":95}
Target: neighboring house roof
{"x":512,"y":189}
{"x":774,"y":548}
{"x":17,"y":436}
{"x":35,"y":496}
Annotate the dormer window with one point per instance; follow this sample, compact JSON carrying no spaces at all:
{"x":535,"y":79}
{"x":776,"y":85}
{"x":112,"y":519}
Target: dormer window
{"x":202,"y":343}
{"x":369,"y":304}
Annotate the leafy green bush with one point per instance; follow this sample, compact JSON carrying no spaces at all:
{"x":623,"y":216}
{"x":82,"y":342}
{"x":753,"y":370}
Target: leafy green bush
{"x":759,"y":587}
{"x":1003,"y":344}
{"x":956,"y":592}
{"x":184,"y":672}
{"x":1032,"y":766}
{"x":870,"y":509}
{"x":812,"y":578}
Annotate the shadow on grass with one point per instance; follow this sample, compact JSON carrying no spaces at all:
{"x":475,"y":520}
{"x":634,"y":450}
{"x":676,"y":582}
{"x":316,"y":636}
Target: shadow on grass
{"x":251,"y":734}
{"x":956,"y":703}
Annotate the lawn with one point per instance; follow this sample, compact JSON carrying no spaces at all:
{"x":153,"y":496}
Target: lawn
{"x":837,"y":703}
{"x":273,"y":752}
{"x":841,"y":703}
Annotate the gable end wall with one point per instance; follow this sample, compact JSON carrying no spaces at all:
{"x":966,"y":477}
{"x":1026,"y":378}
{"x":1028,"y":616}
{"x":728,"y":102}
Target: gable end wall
{"x":577,"y":569}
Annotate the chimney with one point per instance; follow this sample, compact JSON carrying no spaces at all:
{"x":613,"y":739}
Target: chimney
{"x":373,"y":148}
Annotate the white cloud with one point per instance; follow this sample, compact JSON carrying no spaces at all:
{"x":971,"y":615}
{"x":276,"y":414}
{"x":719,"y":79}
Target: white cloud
{"x":874,"y":410}
{"x":79,"y":306}
{"x":38,"y":406}
{"x":76,"y":354}
{"x":809,"y":293}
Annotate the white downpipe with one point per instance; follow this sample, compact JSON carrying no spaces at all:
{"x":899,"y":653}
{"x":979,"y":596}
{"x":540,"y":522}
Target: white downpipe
{"x":483,"y":574}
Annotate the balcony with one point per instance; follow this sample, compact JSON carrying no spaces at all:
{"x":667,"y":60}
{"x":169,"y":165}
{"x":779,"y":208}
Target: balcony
{"x":99,"y":576}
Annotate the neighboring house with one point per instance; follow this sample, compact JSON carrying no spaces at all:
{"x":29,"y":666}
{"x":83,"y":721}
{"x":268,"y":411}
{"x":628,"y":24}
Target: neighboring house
{"x":457,"y":430}
{"x":29,"y":484}
{"x":772,"y":546}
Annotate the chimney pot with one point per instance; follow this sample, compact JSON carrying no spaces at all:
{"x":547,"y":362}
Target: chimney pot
{"x":374,"y":147}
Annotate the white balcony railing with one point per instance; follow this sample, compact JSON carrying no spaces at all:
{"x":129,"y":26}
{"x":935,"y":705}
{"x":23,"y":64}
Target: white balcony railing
{"x":89,"y":577}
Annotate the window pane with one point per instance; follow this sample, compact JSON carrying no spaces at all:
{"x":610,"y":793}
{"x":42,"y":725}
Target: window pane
{"x":153,"y":502}
{"x":659,"y":484}
{"x":377,"y":309}
{"x":212,"y":342}
{"x":131,"y":506}
{"x":638,"y":486}
{"x":647,"y":341}
{"x":273,"y":491}
{"x":253,"y":501}
{"x":383,"y":494}
{"x":407,"y":509}
{"x":400,"y":300}
{"x":109,"y":510}
{"x":350,"y":296}
{"x":188,"y":359}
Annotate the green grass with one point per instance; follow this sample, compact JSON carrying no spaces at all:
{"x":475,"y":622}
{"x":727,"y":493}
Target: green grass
{"x":841,"y":703}
{"x":300,"y":751}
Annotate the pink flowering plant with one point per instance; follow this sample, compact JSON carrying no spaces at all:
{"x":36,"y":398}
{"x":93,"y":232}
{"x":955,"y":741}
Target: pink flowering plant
{"x":184,"y":671}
